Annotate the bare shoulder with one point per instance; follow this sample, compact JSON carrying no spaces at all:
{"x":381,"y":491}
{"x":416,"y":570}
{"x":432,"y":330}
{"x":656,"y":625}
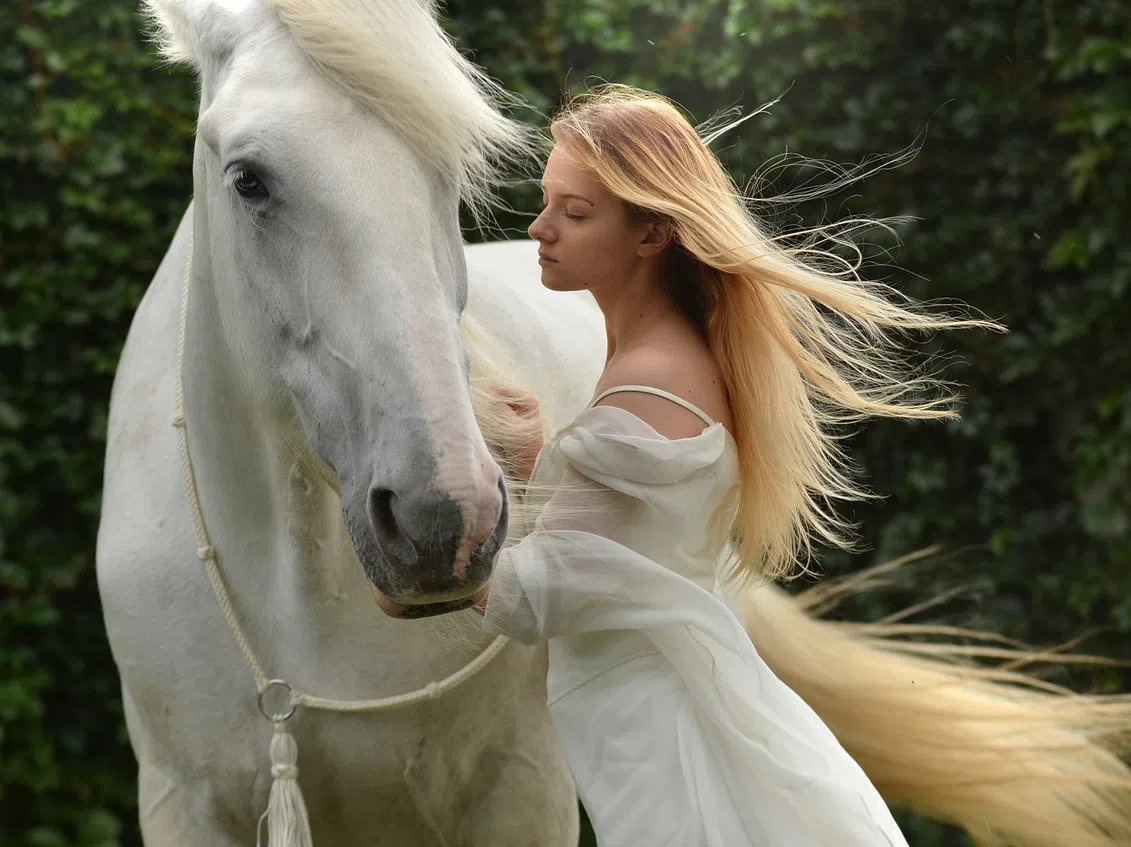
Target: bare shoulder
{"x":686,"y":369}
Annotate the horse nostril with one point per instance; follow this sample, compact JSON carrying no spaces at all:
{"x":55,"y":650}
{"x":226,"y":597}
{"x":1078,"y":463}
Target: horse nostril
{"x":381,"y":515}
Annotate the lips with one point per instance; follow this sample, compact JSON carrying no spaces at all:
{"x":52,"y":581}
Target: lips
{"x":426,"y":610}
{"x":544,"y":258}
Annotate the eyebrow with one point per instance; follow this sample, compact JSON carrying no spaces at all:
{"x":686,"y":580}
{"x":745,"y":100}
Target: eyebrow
{"x":571,"y":196}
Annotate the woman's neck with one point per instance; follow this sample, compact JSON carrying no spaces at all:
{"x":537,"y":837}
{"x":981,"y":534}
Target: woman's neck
{"x":633,"y":310}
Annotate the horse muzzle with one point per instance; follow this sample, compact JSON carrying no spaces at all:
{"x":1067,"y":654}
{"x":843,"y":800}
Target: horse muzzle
{"x":421,"y":552}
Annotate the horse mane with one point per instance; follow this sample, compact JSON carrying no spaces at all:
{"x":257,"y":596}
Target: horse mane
{"x":394,"y":57}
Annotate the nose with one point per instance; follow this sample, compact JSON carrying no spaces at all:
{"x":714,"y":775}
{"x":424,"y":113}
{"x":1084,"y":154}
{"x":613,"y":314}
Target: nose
{"x":538,"y":229}
{"x":436,"y":546}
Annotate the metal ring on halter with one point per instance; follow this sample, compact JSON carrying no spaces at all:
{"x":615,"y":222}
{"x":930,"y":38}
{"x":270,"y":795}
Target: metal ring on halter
{"x":271,"y":683}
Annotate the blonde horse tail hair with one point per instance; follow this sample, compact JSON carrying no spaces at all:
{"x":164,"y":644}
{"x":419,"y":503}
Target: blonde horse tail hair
{"x":1009,"y":758}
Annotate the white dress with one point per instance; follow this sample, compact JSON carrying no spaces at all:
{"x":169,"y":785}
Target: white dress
{"x":675,"y":730}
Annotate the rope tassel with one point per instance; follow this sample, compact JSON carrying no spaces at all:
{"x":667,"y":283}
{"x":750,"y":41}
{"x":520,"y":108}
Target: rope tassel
{"x":287,"y":822}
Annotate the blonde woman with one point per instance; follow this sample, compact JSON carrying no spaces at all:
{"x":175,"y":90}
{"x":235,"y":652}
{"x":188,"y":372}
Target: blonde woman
{"x":731,"y":358}
{"x":728,"y":357}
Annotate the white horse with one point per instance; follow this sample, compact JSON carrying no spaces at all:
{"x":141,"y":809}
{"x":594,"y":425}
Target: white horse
{"x":310,"y":307}
{"x":328,"y":278}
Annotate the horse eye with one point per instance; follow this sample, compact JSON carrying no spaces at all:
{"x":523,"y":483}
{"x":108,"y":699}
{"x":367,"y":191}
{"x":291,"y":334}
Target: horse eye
{"x":249,"y":185}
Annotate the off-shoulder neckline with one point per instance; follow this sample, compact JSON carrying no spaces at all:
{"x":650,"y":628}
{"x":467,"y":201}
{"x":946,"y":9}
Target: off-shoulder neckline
{"x":659,"y":435}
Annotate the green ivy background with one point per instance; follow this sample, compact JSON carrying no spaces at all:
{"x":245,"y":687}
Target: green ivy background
{"x":1020,"y":194}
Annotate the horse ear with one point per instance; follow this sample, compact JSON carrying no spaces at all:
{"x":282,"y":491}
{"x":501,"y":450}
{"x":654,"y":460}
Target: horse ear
{"x":170,"y":29}
{"x":187,"y":30}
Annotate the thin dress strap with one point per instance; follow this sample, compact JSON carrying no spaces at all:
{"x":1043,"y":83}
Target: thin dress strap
{"x":647,"y":389}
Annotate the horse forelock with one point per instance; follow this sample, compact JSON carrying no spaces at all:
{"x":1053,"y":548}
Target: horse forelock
{"x":391,"y":56}
{"x":394,"y":57}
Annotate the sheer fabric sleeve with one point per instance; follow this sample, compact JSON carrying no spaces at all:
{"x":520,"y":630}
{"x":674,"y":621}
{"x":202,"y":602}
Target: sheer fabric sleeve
{"x":580,"y":569}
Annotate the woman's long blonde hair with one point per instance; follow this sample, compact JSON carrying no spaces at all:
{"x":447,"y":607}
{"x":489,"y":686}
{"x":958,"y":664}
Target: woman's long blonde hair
{"x":805,"y":344}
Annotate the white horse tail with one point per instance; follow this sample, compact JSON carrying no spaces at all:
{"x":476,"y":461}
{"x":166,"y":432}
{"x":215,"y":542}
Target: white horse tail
{"x":1009,"y":758}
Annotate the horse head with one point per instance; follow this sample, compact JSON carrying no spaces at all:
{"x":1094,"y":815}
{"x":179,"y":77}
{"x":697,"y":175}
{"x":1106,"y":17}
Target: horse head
{"x":335,"y":143}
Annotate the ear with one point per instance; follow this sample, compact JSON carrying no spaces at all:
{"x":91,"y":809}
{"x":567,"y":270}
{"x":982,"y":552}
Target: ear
{"x":656,"y":237}
{"x":187,"y":30}
{"x":170,"y":29}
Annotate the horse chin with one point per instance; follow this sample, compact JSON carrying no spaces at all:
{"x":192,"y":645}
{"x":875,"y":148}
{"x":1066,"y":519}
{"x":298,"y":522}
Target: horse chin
{"x":412,"y":611}
{"x":398,"y":599}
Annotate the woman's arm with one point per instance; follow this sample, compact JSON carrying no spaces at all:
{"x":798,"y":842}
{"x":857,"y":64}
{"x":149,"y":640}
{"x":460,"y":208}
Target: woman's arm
{"x":522,"y":452}
{"x":566,"y":573}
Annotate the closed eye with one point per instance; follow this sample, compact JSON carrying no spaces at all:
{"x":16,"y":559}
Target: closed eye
{"x":567,"y":214}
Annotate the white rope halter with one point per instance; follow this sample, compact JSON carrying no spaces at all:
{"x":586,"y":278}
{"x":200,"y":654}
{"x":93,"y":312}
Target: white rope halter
{"x":286,"y":811}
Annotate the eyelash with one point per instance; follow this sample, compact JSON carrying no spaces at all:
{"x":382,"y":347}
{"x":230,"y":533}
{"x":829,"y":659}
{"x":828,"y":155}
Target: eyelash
{"x":568,"y":215}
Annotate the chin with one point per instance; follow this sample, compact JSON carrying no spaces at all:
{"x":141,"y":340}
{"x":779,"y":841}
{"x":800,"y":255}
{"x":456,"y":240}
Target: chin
{"x":552,"y":284}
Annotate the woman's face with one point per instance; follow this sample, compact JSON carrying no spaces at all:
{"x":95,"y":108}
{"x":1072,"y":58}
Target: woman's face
{"x":585,"y":238}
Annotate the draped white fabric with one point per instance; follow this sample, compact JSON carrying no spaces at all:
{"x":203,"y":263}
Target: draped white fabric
{"x":677,"y":733}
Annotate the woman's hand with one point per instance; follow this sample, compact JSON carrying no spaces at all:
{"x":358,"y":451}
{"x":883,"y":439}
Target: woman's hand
{"x":528,"y":438}
{"x":481,"y":600}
